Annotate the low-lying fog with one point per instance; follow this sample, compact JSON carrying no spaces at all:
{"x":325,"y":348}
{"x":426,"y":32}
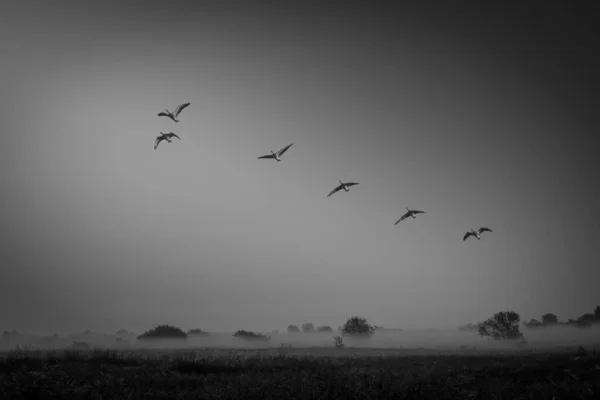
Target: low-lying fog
{"x":425,"y":339}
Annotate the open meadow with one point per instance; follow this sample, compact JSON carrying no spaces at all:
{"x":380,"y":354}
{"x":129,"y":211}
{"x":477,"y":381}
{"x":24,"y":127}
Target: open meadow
{"x":558,"y":363}
{"x":315,"y":373}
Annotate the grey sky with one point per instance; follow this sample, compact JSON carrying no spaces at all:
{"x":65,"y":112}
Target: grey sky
{"x":477,"y":116}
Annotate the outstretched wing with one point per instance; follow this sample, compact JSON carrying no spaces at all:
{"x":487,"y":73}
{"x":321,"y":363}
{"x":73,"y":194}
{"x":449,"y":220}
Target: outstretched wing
{"x":482,"y":229}
{"x":170,"y":135}
{"x":417,"y":212}
{"x":163,"y":114}
{"x":157,"y":142}
{"x":180,"y":108}
{"x":351,"y":183}
{"x":267,"y":156}
{"x":280,"y":152}
{"x":334,"y":190}
{"x":467,"y":235}
{"x":402,"y":218}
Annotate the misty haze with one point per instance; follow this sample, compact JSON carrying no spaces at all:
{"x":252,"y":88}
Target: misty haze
{"x":289,"y":178}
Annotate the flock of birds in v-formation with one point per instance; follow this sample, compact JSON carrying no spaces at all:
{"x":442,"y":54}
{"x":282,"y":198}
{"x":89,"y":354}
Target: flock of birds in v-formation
{"x":277,"y":157}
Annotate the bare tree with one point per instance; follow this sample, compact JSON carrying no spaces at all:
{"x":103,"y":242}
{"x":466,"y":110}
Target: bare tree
{"x":503,"y":325}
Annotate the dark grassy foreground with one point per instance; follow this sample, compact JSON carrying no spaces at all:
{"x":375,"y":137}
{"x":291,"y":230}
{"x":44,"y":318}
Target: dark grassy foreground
{"x":273,"y":374}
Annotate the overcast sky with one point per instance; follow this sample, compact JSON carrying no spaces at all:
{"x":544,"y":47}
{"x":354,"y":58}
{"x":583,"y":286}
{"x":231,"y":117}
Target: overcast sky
{"x":478,"y":116}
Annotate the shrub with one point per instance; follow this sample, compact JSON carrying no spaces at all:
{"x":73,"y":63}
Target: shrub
{"x":248,"y":335}
{"x":308,"y":328}
{"x":580,"y":323}
{"x":534,"y":323}
{"x":357,"y":326}
{"x":503,"y":325}
{"x":587,"y":317}
{"x":338,"y":342}
{"x":549,"y":319}
{"x":325,"y":328}
{"x":293,"y":329}
{"x":163,"y":332}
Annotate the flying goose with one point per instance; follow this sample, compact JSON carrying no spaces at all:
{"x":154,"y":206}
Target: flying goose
{"x":476,"y":233}
{"x":173,"y":115}
{"x":344,"y":186}
{"x":278,"y":154}
{"x":409,"y":213}
{"x":164,"y":136}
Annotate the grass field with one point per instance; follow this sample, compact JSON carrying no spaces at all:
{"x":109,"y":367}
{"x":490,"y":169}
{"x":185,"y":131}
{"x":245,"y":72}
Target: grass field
{"x":308,"y":373}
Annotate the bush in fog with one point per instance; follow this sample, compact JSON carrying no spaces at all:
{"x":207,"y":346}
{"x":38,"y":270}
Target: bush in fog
{"x":549,"y":319}
{"x":338,"y":342}
{"x":576,"y":323}
{"x":503,"y":325}
{"x":587,"y":317}
{"x":324,"y":329}
{"x":197,"y":332}
{"x":580,"y":323}
{"x":293,"y":329}
{"x":248,"y":335}
{"x":163,"y":332}
{"x":357,"y":326}
{"x":597,"y":313}
{"x":534,"y":323}
{"x":308,"y":328}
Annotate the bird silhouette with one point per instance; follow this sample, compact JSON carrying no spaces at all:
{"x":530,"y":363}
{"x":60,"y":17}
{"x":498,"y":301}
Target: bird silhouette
{"x":164,"y":136}
{"x":277,"y":155}
{"x":173,"y":115}
{"x":344,"y":186}
{"x":477,"y":233}
{"x":409,"y":213}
